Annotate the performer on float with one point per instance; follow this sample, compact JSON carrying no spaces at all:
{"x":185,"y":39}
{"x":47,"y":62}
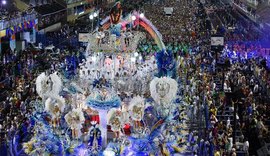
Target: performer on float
{"x":136,"y":110}
{"x":128,"y":36}
{"x":75,"y":119}
{"x":108,"y":63}
{"x":99,"y":36}
{"x":116,"y":13}
{"x":55,"y":106}
{"x":115,"y":121}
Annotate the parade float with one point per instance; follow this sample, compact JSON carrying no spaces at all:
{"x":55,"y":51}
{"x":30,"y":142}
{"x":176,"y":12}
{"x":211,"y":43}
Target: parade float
{"x":118,"y":102}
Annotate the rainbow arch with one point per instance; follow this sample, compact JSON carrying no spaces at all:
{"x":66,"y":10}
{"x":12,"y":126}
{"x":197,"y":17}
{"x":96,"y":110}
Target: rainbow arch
{"x":143,"y":22}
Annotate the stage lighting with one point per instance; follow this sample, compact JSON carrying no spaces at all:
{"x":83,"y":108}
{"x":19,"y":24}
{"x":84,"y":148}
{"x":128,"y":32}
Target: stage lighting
{"x":91,"y":17}
{"x":94,"y":58}
{"x":133,"y":18}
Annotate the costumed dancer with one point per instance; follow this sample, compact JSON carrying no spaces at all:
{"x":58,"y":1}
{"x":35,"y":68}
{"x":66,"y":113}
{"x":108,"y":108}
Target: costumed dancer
{"x":74,"y":119}
{"x":115,"y":121}
{"x":99,"y":36}
{"x":55,"y":106}
{"x":136,"y":110}
{"x":128,"y":36}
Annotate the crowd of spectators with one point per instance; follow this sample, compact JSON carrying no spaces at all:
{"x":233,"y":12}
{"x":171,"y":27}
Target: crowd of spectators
{"x":19,"y":70}
{"x":248,"y":79}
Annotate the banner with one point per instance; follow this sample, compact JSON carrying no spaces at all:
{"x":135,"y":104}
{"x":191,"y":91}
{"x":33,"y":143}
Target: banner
{"x":83,"y":37}
{"x":168,"y":10}
{"x":217,"y":41}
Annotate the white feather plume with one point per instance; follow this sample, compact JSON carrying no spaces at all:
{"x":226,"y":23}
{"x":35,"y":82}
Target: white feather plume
{"x":57,"y":83}
{"x":42,"y":88}
{"x":42,"y":78}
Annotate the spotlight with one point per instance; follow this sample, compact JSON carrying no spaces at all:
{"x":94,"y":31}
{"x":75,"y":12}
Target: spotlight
{"x":109,"y":153}
{"x":4,"y":2}
{"x":94,"y":58}
{"x":133,"y":18}
{"x":91,"y":17}
{"x":133,"y":59}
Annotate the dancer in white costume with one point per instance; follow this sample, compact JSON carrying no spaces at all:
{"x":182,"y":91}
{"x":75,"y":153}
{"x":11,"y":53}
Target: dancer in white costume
{"x":115,"y":121}
{"x":55,"y":105}
{"x":99,"y":36}
{"x":75,"y":119}
{"x":136,"y":110}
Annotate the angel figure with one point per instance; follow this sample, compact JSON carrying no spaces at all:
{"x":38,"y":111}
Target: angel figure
{"x":163,"y":91}
{"x":136,"y":110}
{"x":115,"y":121}
{"x":74,"y":119}
{"x":47,"y":85}
{"x":55,"y":106}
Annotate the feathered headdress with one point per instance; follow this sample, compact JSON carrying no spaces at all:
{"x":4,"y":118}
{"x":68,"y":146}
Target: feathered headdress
{"x":41,"y":79}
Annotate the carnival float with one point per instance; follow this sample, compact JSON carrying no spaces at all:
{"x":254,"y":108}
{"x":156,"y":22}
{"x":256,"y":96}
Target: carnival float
{"x":118,"y":103}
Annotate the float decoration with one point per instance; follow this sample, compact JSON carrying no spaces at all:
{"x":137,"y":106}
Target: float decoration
{"x":47,"y":85}
{"x":103,"y":100}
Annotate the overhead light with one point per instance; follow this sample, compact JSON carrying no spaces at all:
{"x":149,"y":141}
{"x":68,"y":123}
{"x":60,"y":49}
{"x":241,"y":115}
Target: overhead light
{"x":133,"y":18}
{"x":4,"y":2}
{"x":142,"y":15}
{"x":133,"y":59}
{"x":91,"y":17}
{"x":81,"y":13}
{"x":94,"y":58}
{"x":95,"y":14}
{"x":109,"y":153}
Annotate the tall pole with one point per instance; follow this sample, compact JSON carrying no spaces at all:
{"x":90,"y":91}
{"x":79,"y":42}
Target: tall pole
{"x":92,"y":25}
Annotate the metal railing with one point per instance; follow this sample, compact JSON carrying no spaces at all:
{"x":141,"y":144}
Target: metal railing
{"x":16,"y":21}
